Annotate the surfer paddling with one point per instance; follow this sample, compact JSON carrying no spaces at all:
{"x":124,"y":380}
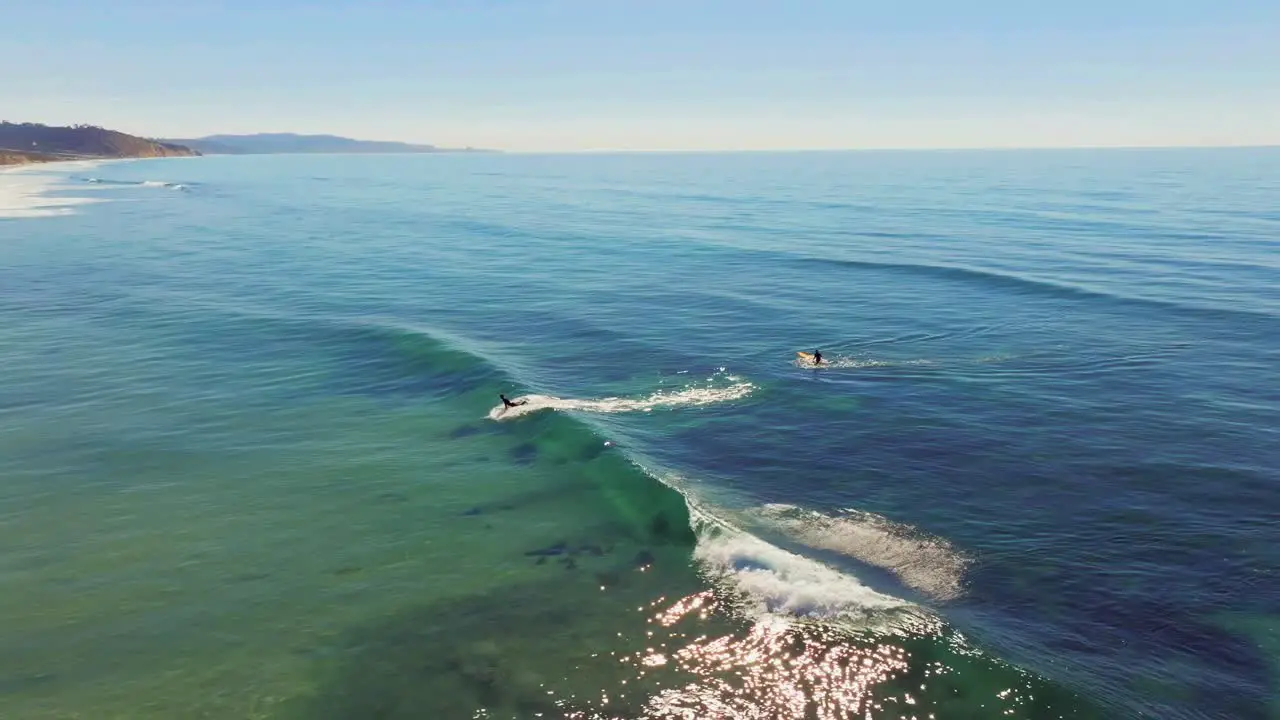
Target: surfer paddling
{"x":508,"y":404}
{"x":817,"y":357}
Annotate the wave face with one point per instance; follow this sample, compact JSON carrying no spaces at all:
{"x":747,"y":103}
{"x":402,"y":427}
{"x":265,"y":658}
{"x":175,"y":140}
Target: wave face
{"x":1033,"y":479}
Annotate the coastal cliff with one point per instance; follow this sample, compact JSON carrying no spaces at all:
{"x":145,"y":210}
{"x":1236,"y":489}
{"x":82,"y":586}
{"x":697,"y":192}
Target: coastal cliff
{"x":22,"y":143}
{"x":13,"y":157}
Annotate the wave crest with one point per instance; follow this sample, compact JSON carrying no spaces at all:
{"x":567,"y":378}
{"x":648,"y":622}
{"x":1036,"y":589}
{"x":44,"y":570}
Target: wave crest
{"x":163,"y":184}
{"x":767,"y":581}
{"x":691,"y":395}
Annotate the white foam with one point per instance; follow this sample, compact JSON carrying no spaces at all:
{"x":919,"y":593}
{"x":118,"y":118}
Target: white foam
{"x":772,"y":585}
{"x":163,"y":184}
{"x":848,"y":362}
{"x":771,"y":582}
{"x":23,"y":194}
{"x":96,"y":183}
{"x":927,"y":564}
{"x":688,"y":396}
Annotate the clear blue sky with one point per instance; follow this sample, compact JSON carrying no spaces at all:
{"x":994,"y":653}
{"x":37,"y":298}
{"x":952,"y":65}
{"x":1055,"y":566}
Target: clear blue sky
{"x":656,"y":74}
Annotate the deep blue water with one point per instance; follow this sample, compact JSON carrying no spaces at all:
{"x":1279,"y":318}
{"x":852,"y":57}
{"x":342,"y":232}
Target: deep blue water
{"x":1049,"y":430}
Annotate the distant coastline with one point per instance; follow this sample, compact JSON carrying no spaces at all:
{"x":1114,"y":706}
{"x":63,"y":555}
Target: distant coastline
{"x":28,"y":143}
{"x":293,"y":144}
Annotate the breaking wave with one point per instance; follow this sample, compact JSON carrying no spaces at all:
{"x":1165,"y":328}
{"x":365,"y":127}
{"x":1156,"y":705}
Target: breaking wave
{"x":929,"y":565}
{"x":761,"y":578}
{"x":718,"y":388}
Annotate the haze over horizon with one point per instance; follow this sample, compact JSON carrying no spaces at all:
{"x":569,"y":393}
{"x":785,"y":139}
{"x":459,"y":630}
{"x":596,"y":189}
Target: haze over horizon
{"x":570,"y":75}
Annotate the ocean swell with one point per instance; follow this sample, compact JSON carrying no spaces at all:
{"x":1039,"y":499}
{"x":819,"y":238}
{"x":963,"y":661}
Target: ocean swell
{"x":760,"y":579}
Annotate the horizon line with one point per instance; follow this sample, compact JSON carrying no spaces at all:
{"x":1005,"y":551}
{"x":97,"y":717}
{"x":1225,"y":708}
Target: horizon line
{"x":940,"y":148}
{"x":481,"y":150}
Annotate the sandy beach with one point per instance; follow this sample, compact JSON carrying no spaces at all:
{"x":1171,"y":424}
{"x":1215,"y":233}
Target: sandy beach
{"x":25,"y":188}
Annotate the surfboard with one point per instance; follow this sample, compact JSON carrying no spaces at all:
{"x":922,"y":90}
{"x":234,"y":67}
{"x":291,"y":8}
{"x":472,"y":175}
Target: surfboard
{"x":807,"y":357}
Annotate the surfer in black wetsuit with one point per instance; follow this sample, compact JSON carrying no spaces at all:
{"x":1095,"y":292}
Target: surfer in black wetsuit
{"x":508,"y":404}
{"x":817,"y":357}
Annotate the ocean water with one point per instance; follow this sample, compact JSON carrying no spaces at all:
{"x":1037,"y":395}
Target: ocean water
{"x":253,"y":463}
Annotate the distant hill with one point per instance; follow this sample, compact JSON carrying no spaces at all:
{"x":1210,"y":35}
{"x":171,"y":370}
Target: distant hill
{"x":32,"y":142}
{"x":274,"y":143}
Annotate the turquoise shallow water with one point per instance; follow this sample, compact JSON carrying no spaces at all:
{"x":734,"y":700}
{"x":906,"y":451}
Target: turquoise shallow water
{"x":251,"y":463}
